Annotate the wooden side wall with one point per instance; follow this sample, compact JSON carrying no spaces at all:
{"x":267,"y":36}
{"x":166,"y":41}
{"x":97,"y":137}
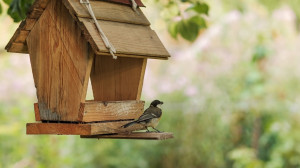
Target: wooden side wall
{"x":59,"y":58}
{"x":117,"y":80}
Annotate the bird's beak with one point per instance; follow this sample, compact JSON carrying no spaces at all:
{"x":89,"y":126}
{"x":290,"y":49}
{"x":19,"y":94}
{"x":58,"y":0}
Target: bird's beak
{"x":161,"y":103}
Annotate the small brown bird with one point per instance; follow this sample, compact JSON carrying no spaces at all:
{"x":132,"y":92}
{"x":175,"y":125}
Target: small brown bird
{"x":150,"y":117}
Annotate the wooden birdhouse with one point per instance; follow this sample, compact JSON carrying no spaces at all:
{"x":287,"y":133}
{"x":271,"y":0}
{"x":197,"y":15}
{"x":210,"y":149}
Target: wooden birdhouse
{"x":67,"y":50}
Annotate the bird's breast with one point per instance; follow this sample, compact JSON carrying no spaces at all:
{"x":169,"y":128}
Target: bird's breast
{"x":154,"y":122}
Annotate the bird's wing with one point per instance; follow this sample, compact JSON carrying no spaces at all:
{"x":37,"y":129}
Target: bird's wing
{"x":151,"y":112}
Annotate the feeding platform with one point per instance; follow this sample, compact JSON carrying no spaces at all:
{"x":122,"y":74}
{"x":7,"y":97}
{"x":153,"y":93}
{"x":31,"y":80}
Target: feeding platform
{"x":134,"y":135}
{"x":66,"y":51}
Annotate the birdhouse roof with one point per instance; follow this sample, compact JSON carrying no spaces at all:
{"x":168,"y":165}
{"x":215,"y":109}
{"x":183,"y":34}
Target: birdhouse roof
{"x":127,"y":30}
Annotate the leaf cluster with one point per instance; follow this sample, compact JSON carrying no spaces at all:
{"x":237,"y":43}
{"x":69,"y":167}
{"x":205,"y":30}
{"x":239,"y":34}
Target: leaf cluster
{"x":17,"y":8}
{"x":188,"y":22}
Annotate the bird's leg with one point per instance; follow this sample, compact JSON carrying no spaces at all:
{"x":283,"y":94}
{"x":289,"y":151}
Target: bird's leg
{"x":156,"y":129}
{"x":147,"y":129}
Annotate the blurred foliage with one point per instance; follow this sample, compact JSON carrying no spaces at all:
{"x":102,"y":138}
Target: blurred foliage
{"x":17,"y":8}
{"x":231,"y":97}
{"x":184,"y":17}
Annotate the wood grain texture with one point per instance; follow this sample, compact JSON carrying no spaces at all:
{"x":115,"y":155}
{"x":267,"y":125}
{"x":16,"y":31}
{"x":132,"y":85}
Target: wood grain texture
{"x":37,"y":9}
{"x":141,"y":82}
{"x":108,"y":111}
{"x":17,"y":48}
{"x":20,"y":36}
{"x":16,"y":41}
{"x":87,"y":74}
{"x":116,"y":80}
{"x":128,"y":39}
{"x":34,"y":48}
{"x":58,"y":129}
{"x":37,"y":112}
{"x":134,"y":135}
{"x":108,"y":11}
{"x":59,"y":57}
{"x":29,"y":24}
{"x":127,"y":2}
{"x":80,"y":129}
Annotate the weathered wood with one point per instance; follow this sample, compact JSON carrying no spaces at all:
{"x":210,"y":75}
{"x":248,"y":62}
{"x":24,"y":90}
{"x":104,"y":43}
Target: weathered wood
{"x":58,"y":129}
{"x":116,"y":80}
{"x":127,"y":2}
{"x":141,"y":82}
{"x":29,"y":24}
{"x":34,"y":48}
{"x":25,"y":26}
{"x":133,"y":56}
{"x":21,"y":36}
{"x":108,"y":11}
{"x":37,"y":112}
{"x":37,"y":9}
{"x":134,"y":135}
{"x":109,"y":111}
{"x":139,"y":41}
{"x":128,"y":39}
{"x":35,"y":13}
{"x":80,"y":129}
{"x":18,"y":37}
{"x":18,"y":48}
{"x":59,"y":57}
{"x":87,"y":74}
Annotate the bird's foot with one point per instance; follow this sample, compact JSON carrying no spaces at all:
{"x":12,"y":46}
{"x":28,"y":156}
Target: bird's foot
{"x":158,"y":131}
{"x":147,"y":130}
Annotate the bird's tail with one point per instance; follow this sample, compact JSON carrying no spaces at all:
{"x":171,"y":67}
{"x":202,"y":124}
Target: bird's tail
{"x":128,"y":124}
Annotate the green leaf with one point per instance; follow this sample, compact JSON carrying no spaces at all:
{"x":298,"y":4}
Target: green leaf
{"x":18,"y":9}
{"x":199,"y":7}
{"x":173,"y":29}
{"x":199,"y":21}
{"x":0,"y":8}
{"x":188,"y":29}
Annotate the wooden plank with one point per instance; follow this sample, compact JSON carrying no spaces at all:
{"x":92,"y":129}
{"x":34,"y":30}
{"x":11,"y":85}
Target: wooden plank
{"x":29,"y":24}
{"x":71,"y":37}
{"x":37,"y":9}
{"x":37,"y":112}
{"x":25,"y":26}
{"x":58,"y":129}
{"x":109,"y":11}
{"x":34,"y":48}
{"x":87,"y":75}
{"x":21,"y":37}
{"x":128,"y":39}
{"x":107,"y":127}
{"x":127,"y":2}
{"x":133,"y":56}
{"x":108,"y":111}
{"x":59,"y":53}
{"x":35,"y":13}
{"x":134,"y":135}
{"x":80,"y":129}
{"x":116,"y":80}
{"x":141,"y":82}
{"x":40,"y":4}
{"x":18,"y":48}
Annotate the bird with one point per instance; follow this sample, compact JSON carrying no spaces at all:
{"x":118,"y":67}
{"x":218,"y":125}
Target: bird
{"x":150,"y":117}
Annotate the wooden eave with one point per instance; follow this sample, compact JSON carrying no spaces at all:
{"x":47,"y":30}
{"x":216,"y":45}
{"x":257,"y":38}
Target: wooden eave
{"x":128,"y":31}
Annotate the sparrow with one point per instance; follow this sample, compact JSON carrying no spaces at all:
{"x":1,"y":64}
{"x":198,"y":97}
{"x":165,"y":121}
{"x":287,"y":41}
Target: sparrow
{"x":150,"y":117}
